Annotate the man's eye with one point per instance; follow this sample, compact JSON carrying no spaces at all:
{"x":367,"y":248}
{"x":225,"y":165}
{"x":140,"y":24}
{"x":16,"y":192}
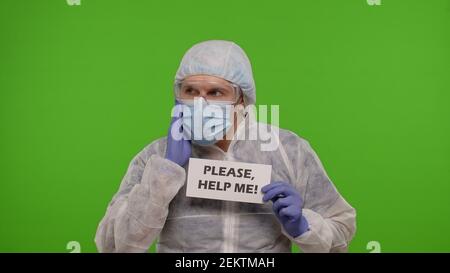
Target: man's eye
{"x":215,"y":93}
{"x":189,"y":91}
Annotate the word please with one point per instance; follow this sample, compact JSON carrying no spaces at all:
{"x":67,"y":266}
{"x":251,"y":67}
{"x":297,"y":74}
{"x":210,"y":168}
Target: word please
{"x":224,"y":171}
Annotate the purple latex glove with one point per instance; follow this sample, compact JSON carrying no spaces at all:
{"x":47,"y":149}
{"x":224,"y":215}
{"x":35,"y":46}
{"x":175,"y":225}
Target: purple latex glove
{"x":177,"y":151}
{"x":287,"y":206}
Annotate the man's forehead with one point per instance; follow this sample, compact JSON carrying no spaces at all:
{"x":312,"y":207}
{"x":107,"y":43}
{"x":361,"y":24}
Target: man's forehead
{"x":205,"y":78}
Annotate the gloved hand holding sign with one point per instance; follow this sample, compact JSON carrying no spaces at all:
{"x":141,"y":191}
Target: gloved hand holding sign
{"x":178,"y":148}
{"x":287,"y":206}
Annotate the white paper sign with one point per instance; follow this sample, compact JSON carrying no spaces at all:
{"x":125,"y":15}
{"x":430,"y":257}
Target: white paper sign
{"x":227,"y":180}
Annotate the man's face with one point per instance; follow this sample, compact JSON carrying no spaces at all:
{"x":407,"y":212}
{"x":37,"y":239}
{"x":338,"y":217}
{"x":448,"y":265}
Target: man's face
{"x":214,"y":90}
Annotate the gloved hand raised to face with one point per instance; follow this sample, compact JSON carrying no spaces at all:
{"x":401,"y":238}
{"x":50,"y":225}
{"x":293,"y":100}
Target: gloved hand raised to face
{"x":178,"y":148}
{"x":287,"y":206}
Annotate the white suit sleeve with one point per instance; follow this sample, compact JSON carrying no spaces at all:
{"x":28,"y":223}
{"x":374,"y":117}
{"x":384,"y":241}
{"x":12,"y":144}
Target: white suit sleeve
{"x":331,"y":219}
{"x":137,"y":213}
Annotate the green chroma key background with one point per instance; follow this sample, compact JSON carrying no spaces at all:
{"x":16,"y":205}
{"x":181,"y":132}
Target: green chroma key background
{"x":84,"y":88}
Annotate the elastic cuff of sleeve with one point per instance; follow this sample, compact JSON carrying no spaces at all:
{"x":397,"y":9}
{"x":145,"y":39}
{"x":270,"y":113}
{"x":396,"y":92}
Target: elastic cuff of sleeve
{"x":167,"y":166}
{"x":304,"y":226}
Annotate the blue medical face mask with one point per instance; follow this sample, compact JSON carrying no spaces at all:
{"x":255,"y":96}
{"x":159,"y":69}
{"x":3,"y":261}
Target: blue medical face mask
{"x":206,"y":123}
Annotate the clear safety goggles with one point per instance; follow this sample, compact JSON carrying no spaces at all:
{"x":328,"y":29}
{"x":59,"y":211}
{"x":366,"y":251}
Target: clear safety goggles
{"x":213,"y":92}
